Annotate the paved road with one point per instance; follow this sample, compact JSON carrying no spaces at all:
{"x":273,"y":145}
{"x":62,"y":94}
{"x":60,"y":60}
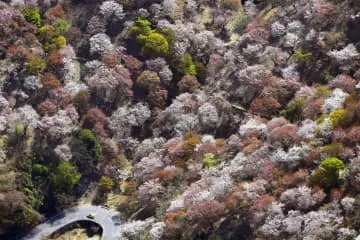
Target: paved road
{"x":102,"y":217}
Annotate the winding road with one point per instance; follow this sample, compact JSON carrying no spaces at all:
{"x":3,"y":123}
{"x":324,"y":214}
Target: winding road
{"x":103,"y":217}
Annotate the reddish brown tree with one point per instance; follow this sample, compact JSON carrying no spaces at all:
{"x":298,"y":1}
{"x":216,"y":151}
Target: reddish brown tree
{"x":265,"y":107}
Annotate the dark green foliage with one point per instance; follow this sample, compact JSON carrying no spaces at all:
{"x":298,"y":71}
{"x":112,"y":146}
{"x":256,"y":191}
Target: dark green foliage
{"x":240,"y":22}
{"x":15,"y":212}
{"x":169,"y":35}
{"x":334,"y":149}
{"x":201,"y":71}
{"x":294,"y":112}
{"x":66,"y":176}
{"x":91,"y":142}
{"x":32,"y":15}
{"x":186,"y":65}
{"x":40,"y":170}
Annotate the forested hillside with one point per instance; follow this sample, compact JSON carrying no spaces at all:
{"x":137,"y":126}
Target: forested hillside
{"x":195,"y":119}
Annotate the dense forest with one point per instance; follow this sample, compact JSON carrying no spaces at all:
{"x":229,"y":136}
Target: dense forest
{"x":194,"y":119}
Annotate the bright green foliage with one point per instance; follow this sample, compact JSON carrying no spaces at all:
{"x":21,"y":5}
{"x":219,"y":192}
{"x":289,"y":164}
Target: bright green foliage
{"x":341,"y":117}
{"x":333,"y":149}
{"x":19,"y":129}
{"x":331,"y":168}
{"x":302,"y":57}
{"x":105,"y":184}
{"x":294,"y":112}
{"x":186,"y":65}
{"x":66,"y":176}
{"x":39,"y":170}
{"x":154,"y":43}
{"x":210,"y":161}
{"x":35,"y":65}
{"x":141,"y":27}
{"x":60,"y":41}
{"x":32,"y":15}
{"x":92,"y":143}
{"x":61,"y":26}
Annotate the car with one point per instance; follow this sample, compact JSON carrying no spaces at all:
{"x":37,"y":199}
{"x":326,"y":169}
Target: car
{"x":91,"y":216}
{"x":116,"y":219}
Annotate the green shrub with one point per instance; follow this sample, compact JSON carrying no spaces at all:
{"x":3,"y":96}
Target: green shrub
{"x":61,"y":26}
{"x":294,"y":112}
{"x":169,"y":35}
{"x":47,"y":33}
{"x":51,"y":38}
{"x":28,"y":215}
{"x":333,"y":149}
{"x":341,"y":117}
{"x":154,"y":43}
{"x":239,"y":23}
{"x":35,"y":65}
{"x":66,"y":176}
{"x":186,"y":65}
{"x":140,"y":27}
{"x":210,"y":161}
{"x":322,"y":91}
{"x":32,"y":15}
{"x":201,"y":71}
{"x":105,"y":184}
{"x":302,"y":57}
{"x":60,"y":41}
{"x":39,"y":170}
{"x":19,"y":129}
{"x":322,"y":118}
{"x":91,"y":142}
{"x":331,"y":168}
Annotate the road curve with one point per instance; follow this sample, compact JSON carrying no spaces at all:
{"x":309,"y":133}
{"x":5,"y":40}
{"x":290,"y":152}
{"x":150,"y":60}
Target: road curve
{"x":102,"y":217}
